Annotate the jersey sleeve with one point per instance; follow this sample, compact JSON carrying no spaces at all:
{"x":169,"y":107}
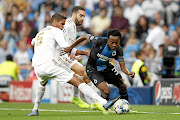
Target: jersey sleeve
{"x":119,"y":56}
{"x":94,"y":40}
{"x":66,"y":29}
{"x":59,"y":37}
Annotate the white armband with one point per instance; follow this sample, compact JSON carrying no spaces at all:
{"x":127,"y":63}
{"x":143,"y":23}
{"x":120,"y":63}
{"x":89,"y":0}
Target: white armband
{"x":73,"y":51}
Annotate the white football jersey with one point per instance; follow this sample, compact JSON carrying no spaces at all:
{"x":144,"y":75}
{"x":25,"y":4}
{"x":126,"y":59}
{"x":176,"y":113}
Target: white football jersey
{"x":69,"y":31}
{"x":45,"y":44}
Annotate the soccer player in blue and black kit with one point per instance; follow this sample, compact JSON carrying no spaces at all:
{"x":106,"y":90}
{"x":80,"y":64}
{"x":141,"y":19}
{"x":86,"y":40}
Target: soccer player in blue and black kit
{"x":98,"y":68}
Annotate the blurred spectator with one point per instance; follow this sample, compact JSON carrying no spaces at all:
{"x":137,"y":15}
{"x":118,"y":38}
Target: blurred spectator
{"x":171,"y":11}
{"x":142,"y":26}
{"x":150,"y":7}
{"x":156,"y":35}
{"x":115,"y":3}
{"x":42,"y":6}
{"x":68,"y":6}
{"x":133,"y":12}
{"x":100,"y":23}
{"x":42,"y":17}
{"x":140,"y":69}
{"x":139,"y":2}
{"x":87,"y":19}
{"x":21,"y":4}
{"x":118,"y":21}
{"x":10,"y":68}
{"x":4,"y":51}
{"x":101,"y":5}
{"x":8,"y":71}
{"x":167,"y":41}
{"x":130,"y":49}
{"x":22,"y":58}
{"x":147,"y":48}
{"x":8,"y":21}
{"x":178,"y":30}
{"x":152,"y":62}
{"x":175,"y":37}
{"x":12,"y":36}
{"x":131,"y":46}
{"x":58,"y":6}
{"x":17,"y":15}
{"x":3,"y":6}
{"x":2,"y":24}
{"x":165,"y":28}
{"x":158,"y":18}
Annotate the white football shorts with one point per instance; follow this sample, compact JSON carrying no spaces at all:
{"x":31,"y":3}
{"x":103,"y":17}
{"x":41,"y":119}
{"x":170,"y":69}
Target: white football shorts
{"x":54,"y":70}
{"x":65,"y":59}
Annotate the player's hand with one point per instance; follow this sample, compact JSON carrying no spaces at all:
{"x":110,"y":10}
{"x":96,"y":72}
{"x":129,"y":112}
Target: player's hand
{"x":131,"y":74}
{"x":72,"y":56}
{"x":68,"y":49}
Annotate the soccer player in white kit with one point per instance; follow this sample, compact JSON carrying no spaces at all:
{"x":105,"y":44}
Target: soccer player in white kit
{"x":69,"y":31}
{"x":47,"y":67}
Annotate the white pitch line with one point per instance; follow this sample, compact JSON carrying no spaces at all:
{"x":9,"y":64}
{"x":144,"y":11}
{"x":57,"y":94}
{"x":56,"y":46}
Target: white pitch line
{"x":133,"y":112}
{"x":48,"y":110}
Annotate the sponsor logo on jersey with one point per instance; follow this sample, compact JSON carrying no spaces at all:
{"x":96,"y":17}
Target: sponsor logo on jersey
{"x":113,"y":53}
{"x":95,"y":81}
{"x":102,"y":57}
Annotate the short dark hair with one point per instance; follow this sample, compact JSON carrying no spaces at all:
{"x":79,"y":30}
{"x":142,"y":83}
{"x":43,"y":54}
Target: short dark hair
{"x":9,"y":58}
{"x":114,"y":32}
{"x":76,"y":8}
{"x":57,"y":17}
{"x":138,"y":53}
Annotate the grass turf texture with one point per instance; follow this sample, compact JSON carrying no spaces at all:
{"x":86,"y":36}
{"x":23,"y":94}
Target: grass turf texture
{"x":19,"y":111}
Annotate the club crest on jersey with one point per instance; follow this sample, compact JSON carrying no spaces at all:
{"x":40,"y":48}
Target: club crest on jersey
{"x":113,"y":53}
{"x":95,"y":81}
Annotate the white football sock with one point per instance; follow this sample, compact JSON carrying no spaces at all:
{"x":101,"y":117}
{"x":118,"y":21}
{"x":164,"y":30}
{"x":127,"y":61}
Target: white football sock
{"x":39,"y":94}
{"x":91,"y":84}
{"x":87,"y":90}
{"x":76,"y":90}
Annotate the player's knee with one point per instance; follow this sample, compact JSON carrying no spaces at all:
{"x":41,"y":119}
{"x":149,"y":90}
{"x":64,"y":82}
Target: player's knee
{"x":81,"y":71}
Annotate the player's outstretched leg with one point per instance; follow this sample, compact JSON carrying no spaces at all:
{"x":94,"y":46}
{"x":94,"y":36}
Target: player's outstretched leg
{"x":76,"y":99}
{"x":110,"y":103}
{"x":87,"y":90}
{"x":79,"y":102}
{"x":106,"y":106}
{"x":34,"y":113}
{"x":39,"y":94}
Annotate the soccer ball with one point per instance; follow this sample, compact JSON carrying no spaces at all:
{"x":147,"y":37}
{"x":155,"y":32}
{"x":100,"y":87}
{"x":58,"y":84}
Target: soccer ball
{"x":121,"y":106}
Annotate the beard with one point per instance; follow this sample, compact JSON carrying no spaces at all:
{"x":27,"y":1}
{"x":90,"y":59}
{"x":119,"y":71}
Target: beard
{"x":78,"y":23}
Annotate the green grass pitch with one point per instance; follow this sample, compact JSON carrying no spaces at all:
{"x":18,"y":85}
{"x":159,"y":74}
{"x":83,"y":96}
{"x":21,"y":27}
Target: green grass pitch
{"x":19,"y":111}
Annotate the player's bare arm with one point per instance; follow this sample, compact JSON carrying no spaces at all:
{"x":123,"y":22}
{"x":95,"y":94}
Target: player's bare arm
{"x":79,"y":40}
{"x":80,"y":52}
{"x":125,"y":70}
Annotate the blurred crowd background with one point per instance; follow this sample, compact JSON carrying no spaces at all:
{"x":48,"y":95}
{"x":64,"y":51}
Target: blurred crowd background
{"x":150,"y":25}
